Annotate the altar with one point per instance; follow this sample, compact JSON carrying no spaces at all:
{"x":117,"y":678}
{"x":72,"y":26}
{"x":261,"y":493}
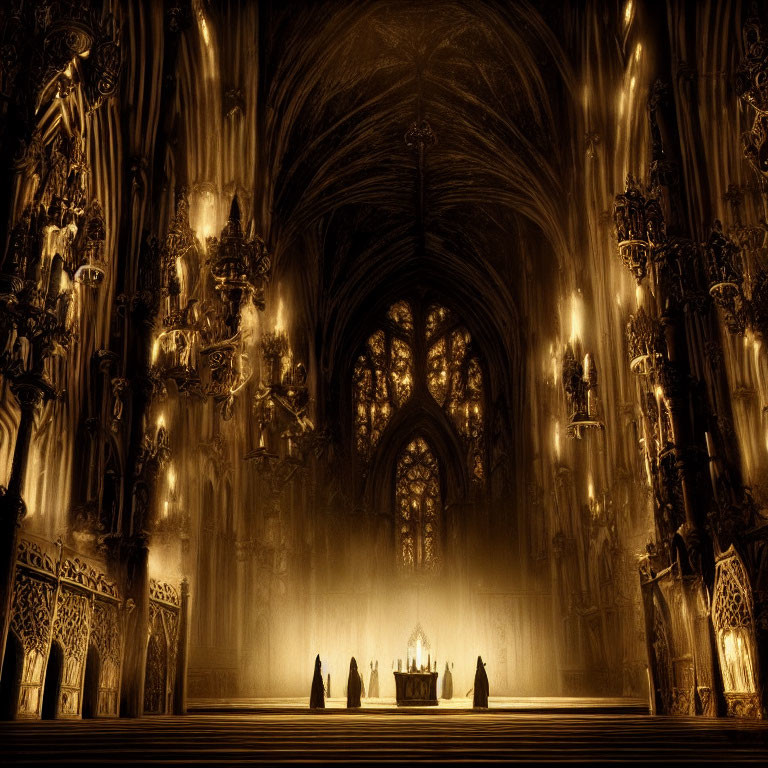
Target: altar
{"x":416,"y":689}
{"x":417,"y":685}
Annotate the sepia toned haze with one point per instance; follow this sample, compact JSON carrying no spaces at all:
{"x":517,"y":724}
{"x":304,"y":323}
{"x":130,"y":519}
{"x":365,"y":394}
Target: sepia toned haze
{"x":428,"y":189}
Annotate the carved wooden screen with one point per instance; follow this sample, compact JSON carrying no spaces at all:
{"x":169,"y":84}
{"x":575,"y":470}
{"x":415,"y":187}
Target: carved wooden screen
{"x":164,"y":610}
{"x":418,"y":508}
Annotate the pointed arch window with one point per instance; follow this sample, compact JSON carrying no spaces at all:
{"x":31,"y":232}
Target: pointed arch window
{"x":388,"y":369}
{"x":383,"y":377}
{"x":419,"y":508}
{"x":455,"y":380}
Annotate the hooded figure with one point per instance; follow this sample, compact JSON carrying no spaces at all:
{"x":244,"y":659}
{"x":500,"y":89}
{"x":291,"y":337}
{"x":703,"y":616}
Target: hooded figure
{"x":480,"y":699}
{"x":373,"y":685}
{"x":353,"y":686}
{"x":317,"y":695}
{"x":447,"y":683}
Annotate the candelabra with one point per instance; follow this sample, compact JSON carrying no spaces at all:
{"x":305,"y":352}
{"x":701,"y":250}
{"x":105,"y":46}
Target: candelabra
{"x":752,"y":88}
{"x":202,"y":345}
{"x":240,"y":268}
{"x":639,"y":228}
{"x":645,"y":342}
{"x":58,"y":238}
{"x":725,"y":278}
{"x":280,"y":403}
{"x":737,"y":273}
{"x":580,"y":384}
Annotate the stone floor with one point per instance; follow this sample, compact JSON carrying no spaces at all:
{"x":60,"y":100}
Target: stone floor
{"x":372,"y":736}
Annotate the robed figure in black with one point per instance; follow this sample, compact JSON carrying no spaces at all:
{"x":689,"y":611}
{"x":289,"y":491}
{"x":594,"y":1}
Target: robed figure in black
{"x":447,"y":683}
{"x":317,"y":695}
{"x":480,"y":699}
{"x":354,"y":686}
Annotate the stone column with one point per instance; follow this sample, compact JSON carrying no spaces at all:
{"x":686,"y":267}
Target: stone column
{"x":30,"y":390}
{"x":134,"y":560}
{"x":182,"y":654}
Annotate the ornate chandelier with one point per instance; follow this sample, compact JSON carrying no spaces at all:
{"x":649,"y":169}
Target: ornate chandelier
{"x":201,"y":346}
{"x":240,"y":268}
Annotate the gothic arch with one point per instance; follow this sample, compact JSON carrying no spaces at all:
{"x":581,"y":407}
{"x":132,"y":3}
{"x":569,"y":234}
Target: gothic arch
{"x":10,"y":676}
{"x":54,"y":675}
{"x":427,"y":420}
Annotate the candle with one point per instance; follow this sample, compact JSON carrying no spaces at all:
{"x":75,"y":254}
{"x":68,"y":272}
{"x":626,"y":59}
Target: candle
{"x":712,"y":460}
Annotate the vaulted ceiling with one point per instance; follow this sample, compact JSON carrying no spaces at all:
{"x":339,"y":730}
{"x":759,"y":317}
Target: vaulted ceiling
{"x":342,"y":84}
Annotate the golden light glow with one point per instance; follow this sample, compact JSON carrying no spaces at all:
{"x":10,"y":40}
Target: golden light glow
{"x":590,"y":489}
{"x":250,"y":322}
{"x":638,"y":51}
{"x":202,"y":218}
{"x":160,"y":421}
{"x":555,"y":367}
{"x":155,"y":350}
{"x":577,"y":318}
{"x":171,"y":478}
{"x":280,"y":319}
{"x":557,"y":439}
{"x":203,"y":27}
{"x":628,"y":12}
{"x":738,"y":673}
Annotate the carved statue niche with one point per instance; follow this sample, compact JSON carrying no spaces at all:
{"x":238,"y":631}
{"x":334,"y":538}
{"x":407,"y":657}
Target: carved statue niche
{"x":733,"y":620}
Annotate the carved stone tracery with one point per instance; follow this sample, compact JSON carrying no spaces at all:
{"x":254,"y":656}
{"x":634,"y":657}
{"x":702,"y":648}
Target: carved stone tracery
{"x":71,"y":627}
{"x":80,"y":571}
{"x":32,"y":612}
{"x":733,"y":620}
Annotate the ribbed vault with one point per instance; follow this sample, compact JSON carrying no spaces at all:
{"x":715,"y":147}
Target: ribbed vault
{"x":359,"y":216}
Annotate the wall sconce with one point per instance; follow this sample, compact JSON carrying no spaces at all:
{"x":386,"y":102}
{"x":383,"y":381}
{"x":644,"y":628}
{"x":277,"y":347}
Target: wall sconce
{"x":639,"y":228}
{"x":580,"y":384}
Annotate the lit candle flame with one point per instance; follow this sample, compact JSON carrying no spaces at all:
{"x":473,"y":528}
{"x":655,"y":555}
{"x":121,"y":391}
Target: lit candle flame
{"x":577,"y":320}
{"x":280,"y":320}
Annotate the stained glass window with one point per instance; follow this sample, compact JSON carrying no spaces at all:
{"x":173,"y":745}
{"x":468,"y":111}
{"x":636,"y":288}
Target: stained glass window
{"x":385,"y":372}
{"x":383,"y":377}
{"x":419,"y":508}
{"x":455,"y":380}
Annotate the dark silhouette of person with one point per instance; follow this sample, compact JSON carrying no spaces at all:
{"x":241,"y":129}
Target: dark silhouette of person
{"x":447,"y":683}
{"x":353,"y":686}
{"x":480,"y":699}
{"x":317,"y":695}
{"x":373,"y":685}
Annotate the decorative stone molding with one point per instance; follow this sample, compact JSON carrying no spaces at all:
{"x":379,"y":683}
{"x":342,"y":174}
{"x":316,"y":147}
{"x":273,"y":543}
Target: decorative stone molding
{"x":38,"y":554}
{"x":162,"y":592}
{"x":77,"y":570}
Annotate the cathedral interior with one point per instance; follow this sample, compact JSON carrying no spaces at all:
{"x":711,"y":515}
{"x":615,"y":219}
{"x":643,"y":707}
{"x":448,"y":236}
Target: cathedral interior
{"x":414,"y":332}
